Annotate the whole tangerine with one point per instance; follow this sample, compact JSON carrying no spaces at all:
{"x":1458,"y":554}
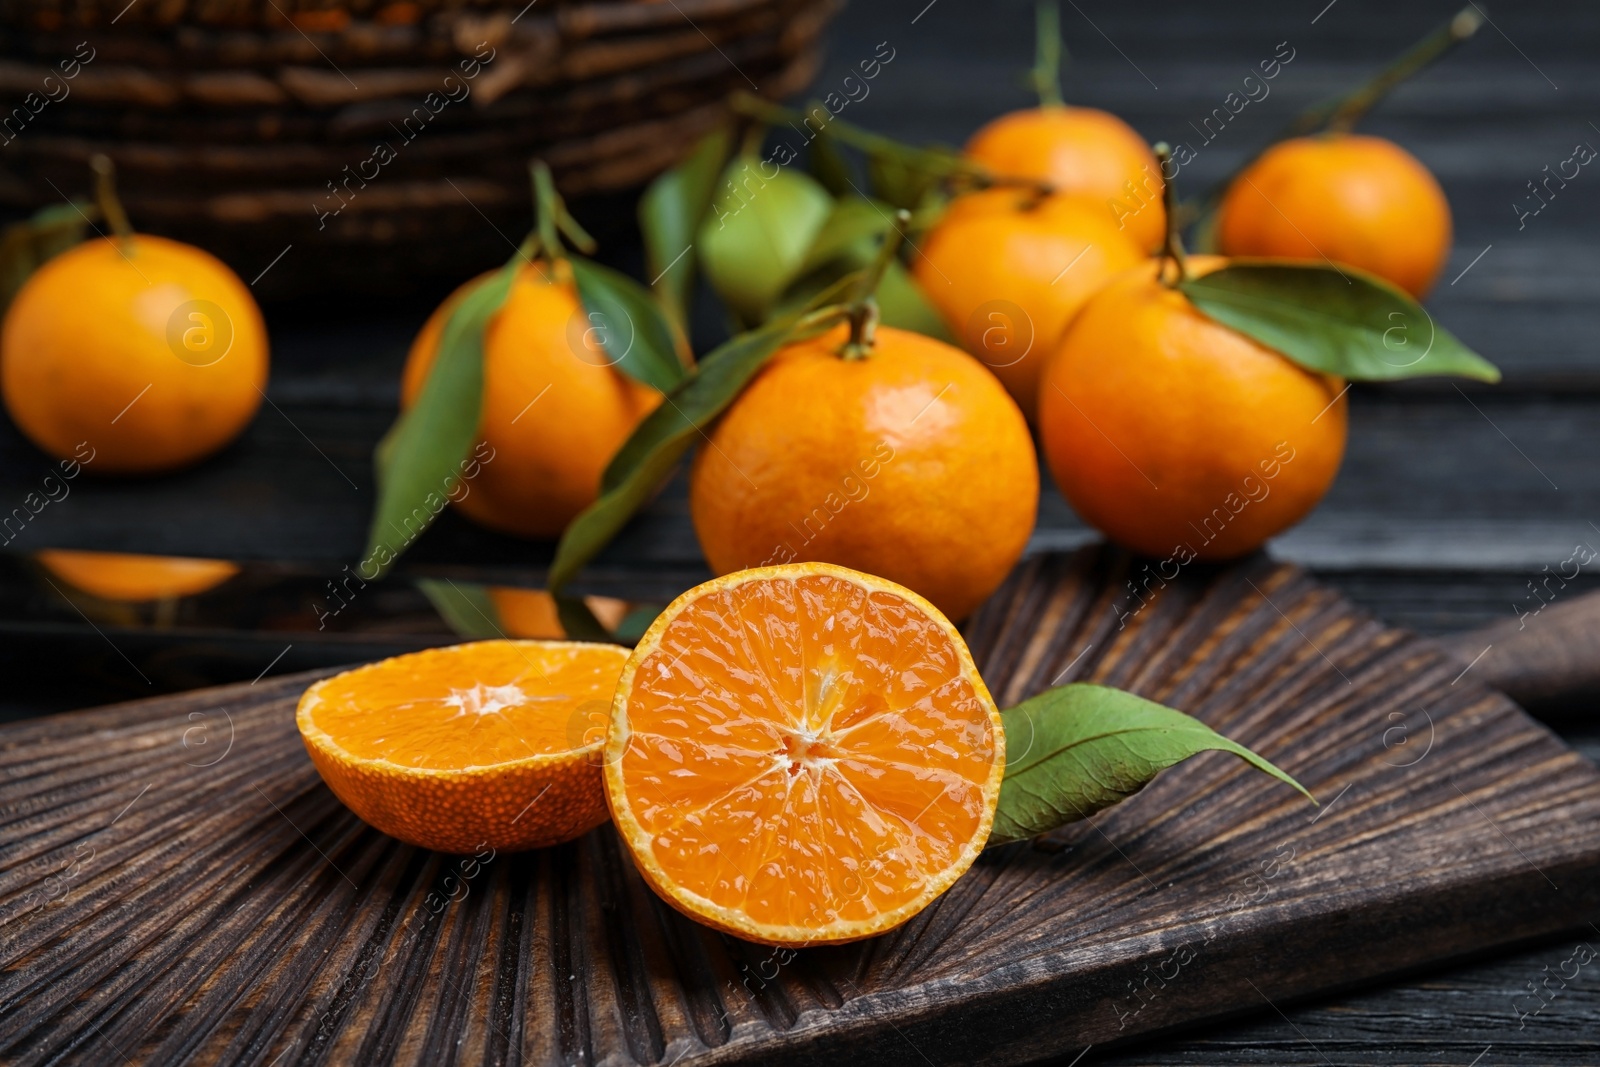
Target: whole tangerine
{"x":555,"y":408}
{"x":1007,"y":270}
{"x":1348,"y":198}
{"x":1177,"y":436}
{"x":1082,"y":152}
{"x":151,"y":350}
{"x":911,"y":463}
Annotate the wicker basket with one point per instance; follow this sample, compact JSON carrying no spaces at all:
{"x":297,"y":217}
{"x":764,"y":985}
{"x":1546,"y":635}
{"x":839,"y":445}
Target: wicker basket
{"x":387,"y":142}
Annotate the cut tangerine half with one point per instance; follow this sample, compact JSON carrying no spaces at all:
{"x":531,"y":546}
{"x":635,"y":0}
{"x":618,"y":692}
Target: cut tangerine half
{"x":492,"y":744}
{"x":802,"y":755}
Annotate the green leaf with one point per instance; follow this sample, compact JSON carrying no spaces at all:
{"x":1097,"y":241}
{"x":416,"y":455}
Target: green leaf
{"x":850,"y":235}
{"x":578,"y":620}
{"x":830,"y":167}
{"x":1075,"y":749}
{"x":465,"y":606}
{"x":848,"y":241}
{"x":629,"y":325}
{"x":648,"y":456}
{"x":902,"y":181}
{"x":903,"y":305}
{"x":1337,"y":320}
{"x":754,"y":241}
{"x":636,"y":622}
{"x":419,"y":459}
{"x":26,"y":246}
{"x":670,"y":213}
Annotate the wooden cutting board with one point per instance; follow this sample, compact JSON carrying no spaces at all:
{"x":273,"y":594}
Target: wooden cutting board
{"x":179,"y":886}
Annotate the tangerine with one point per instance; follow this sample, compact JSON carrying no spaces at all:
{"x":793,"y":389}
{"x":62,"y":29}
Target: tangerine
{"x":1007,"y":271}
{"x":129,"y":578}
{"x":1348,"y":198}
{"x":491,"y":744}
{"x":555,"y":408}
{"x":1177,"y":436}
{"x":910,"y":462}
{"x":802,"y":755}
{"x":1081,"y":152}
{"x":151,"y":350}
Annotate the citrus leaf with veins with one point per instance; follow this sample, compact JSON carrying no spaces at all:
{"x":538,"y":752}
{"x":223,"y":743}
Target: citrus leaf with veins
{"x":628,"y":324}
{"x":419,"y":460}
{"x":1334,"y":319}
{"x":1076,"y":749}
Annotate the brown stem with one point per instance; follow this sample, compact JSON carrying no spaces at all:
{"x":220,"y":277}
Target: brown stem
{"x":863,"y":330}
{"x":941,"y":163}
{"x":863,"y":304}
{"x":1173,"y":248}
{"x":1340,"y":115}
{"x":1039,"y":187}
{"x":1349,"y":111}
{"x":105,"y":194}
{"x":1046,"y":72}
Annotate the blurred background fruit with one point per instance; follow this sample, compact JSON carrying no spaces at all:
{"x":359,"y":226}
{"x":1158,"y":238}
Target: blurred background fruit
{"x":1007,"y":269}
{"x":555,"y":408}
{"x":150,"y":351}
{"x":123,"y":577}
{"x":248,"y":127}
{"x":910,"y":463}
{"x":1082,"y":152}
{"x":532,"y":613}
{"x":1347,"y":198}
{"x":1164,"y":428}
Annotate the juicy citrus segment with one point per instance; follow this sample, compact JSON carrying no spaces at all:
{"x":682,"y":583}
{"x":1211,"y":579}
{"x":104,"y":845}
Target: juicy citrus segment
{"x":803,"y":754}
{"x":126,"y":577}
{"x":492,"y":743}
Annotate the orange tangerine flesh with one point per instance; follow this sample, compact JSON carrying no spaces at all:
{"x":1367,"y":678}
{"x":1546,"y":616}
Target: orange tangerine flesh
{"x":494,"y":743}
{"x":802,"y":755}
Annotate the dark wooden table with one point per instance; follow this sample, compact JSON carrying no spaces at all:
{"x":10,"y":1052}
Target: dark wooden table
{"x":1452,"y":500}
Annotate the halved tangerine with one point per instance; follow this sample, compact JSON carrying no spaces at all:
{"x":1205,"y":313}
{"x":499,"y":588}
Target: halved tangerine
{"x":491,"y":744}
{"x":802,"y":755}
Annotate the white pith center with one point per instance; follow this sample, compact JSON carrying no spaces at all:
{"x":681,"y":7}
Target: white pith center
{"x":485,"y":699}
{"x":809,"y":747}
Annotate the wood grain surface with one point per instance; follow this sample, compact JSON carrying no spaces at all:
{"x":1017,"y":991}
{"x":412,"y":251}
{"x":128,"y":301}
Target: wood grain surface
{"x":180,"y":887}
